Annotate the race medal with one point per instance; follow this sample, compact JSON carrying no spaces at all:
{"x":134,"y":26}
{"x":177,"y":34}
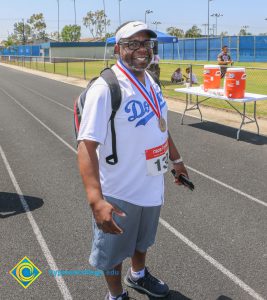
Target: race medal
{"x":162,"y":124}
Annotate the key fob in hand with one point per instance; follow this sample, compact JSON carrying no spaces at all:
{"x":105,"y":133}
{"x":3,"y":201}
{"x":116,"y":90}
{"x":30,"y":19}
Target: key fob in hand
{"x":184,"y":180}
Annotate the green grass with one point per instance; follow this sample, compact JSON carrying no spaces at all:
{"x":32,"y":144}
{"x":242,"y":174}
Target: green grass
{"x":256,"y":83}
{"x":256,"y":79}
{"x":73,"y":69}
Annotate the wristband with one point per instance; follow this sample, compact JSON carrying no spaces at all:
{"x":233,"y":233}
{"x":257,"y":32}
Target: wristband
{"x":177,"y":161}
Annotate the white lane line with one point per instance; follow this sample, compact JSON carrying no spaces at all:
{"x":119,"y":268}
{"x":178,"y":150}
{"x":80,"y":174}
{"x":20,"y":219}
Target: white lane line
{"x":212,"y":261}
{"x":229,"y":187}
{"x":43,"y":124}
{"x":49,"y":258}
{"x":190,"y":168}
{"x":45,"y":97}
{"x":201,"y":252}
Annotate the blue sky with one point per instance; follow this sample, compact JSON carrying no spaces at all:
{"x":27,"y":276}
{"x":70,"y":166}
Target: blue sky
{"x":179,"y":13}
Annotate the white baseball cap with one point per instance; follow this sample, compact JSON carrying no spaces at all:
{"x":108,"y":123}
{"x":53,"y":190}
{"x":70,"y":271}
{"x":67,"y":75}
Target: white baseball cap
{"x":132,"y":28}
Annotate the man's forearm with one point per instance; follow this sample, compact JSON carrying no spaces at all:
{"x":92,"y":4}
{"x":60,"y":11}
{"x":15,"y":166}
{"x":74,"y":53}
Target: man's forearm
{"x":89,"y":170}
{"x":173,"y":152}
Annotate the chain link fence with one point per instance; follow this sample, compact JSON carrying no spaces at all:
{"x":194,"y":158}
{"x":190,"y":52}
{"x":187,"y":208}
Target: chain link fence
{"x":72,"y":67}
{"x":86,"y":69}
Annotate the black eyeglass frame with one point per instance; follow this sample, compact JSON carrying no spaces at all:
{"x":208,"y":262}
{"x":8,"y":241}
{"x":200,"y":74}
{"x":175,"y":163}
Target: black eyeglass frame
{"x":150,"y":44}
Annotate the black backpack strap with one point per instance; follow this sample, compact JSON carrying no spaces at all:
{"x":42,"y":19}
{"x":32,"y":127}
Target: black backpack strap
{"x":111,"y":79}
{"x":155,"y":78}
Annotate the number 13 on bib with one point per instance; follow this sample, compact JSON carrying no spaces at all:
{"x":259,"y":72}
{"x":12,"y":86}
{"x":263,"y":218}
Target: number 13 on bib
{"x":157,"y":159}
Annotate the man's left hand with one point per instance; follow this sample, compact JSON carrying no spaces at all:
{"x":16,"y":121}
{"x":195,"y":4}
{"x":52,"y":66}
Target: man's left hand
{"x":180,"y":169}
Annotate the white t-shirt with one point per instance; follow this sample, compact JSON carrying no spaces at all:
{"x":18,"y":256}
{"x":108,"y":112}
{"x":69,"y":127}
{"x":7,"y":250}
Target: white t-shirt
{"x":155,"y":59}
{"x":137,"y":130}
{"x":194,"y":77}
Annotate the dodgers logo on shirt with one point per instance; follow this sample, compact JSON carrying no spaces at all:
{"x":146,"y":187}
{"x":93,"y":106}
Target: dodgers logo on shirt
{"x":141,"y":111}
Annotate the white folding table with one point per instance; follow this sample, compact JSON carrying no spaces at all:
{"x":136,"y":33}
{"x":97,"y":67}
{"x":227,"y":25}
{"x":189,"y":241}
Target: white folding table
{"x":218,"y":94}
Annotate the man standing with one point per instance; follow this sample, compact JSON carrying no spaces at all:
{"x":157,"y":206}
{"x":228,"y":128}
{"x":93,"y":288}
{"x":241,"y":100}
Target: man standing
{"x":154,"y":65}
{"x":224,"y":59}
{"x":126,"y":198}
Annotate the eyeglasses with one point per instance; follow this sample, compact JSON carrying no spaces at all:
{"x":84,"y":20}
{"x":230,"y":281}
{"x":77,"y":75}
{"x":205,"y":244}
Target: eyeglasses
{"x":135,"y":45}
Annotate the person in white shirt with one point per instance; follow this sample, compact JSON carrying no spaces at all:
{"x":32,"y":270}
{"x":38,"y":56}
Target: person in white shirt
{"x":189,"y":77}
{"x":126,"y":198}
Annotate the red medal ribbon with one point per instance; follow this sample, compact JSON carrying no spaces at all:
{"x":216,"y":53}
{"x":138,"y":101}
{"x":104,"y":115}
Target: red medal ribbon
{"x":155,"y":110}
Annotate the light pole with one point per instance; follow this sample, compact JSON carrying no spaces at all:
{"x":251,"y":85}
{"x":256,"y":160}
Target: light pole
{"x":208,"y":43}
{"x":148,"y":11}
{"x":104,"y":7}
{"x":213,"y":28}
{"x":23,"y":33}
{"x":216,"y":15}
{"x":156,"y":23}
{"x":120,"y":11}
{"x":205,"y":28}
{"x":58,"y":20}
{"x":209,"y":17}
{"x":74,"y":3}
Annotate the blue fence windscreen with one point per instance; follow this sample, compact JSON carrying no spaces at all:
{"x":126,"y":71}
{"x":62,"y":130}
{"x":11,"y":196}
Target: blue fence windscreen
{"x":242,"y":48}
{"x":168,"y":51}
{"x":22,"y":50}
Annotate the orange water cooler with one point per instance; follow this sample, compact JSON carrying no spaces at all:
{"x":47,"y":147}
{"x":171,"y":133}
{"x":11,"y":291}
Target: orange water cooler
{"x":235,"y":83}
{"x":212,"y":77}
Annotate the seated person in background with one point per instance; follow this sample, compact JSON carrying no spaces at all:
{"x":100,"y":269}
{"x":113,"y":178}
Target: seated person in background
{"x":188,"y":75}
{"x":177,"y":76}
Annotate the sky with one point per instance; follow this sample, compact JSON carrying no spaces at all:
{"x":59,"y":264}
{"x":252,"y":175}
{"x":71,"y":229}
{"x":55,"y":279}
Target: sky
{"x":178,"y":13}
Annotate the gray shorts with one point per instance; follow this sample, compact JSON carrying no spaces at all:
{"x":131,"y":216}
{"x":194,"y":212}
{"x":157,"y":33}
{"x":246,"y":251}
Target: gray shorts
{"x":139,"y":232}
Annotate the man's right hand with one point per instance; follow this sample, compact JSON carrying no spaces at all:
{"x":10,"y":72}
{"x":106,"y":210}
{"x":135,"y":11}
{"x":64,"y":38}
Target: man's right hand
{"x":103,"y":211}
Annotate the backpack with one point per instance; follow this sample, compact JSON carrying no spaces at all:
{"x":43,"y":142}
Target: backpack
{"x":111,"y":79}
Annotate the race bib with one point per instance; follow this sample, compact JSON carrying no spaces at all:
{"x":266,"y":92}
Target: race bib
{"x":157,"y":160}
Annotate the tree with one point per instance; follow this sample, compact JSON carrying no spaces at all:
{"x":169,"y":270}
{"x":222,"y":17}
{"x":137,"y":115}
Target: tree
{"x":96,"y":22}
{"x":224,"y":33}
{"x":244,"y":32}
{"x":54,"y":36}
{"x":107,"y":35}
{"x":71,"y":33}
{"x":38,"y":26}
{"x":175,"y":31}
{"x":193,"y":32}
{"x":9,"y":42}
{"x":22,"y":32}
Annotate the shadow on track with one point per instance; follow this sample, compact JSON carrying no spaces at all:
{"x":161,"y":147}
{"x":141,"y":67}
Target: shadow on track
{"x":10,"y":204}
{"x":224,"y":298}
{"x":231,"y":132}
{"x":173,"y":295}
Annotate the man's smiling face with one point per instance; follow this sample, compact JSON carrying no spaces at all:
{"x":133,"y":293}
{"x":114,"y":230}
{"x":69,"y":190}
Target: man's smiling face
{"x":139,"y":59}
